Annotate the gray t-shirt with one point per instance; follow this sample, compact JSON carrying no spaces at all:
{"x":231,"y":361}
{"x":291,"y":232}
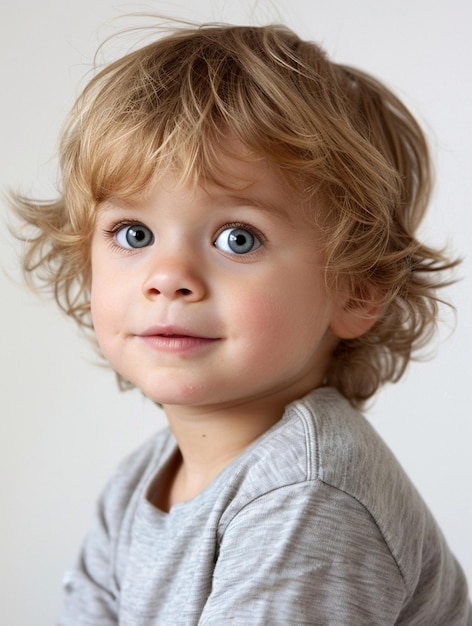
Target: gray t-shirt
{"x":315,"y":523}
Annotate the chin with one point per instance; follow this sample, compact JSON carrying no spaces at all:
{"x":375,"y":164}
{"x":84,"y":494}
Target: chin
{"x":173,"y":394}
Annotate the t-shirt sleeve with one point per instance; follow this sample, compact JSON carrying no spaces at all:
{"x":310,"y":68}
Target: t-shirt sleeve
{"x":304,"y":554}
{"x":90,"y":594}
{"x":91,"y":587}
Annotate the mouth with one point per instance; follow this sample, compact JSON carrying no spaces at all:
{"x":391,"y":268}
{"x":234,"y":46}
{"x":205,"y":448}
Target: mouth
{"x":176,"y":339}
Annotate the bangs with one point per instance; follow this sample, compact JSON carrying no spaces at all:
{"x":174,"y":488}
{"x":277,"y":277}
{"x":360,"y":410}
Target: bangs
{"x":180,"y":105}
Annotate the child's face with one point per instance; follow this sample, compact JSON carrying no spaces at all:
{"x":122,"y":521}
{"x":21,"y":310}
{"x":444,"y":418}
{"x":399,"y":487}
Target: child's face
{"x":209,"y":297}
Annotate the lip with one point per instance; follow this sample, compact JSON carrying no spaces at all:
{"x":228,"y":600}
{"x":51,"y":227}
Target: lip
{"x":175,"y":339}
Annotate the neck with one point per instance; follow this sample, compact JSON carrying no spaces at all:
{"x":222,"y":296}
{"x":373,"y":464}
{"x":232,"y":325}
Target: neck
{"x":209,"y":439}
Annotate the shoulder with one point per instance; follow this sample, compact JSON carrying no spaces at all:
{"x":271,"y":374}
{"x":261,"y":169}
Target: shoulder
{"x":320,"y":438}
{"x":350,"y":456}
{"x":150,"y":451}
{"x":133,"y":475}
{"x":324,"y":462}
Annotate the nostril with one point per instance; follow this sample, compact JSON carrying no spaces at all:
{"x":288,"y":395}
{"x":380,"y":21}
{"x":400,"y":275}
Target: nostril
{"x":185,"y":292}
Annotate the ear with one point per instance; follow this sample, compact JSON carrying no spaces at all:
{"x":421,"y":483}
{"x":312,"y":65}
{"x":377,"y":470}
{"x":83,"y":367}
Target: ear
{"x":355,"y":316}
{"x":351,"y":321}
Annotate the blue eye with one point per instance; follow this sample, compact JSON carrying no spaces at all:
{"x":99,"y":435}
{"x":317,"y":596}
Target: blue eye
{"x":134,"y":236}
{"x":237,"y":241}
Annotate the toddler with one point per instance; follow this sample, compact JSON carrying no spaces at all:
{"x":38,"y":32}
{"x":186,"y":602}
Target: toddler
{"x":236,"y":223}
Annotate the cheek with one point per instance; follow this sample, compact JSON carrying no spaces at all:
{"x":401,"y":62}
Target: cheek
{"x":105,"y":309}
{"x":288,"y":315}
{"x":97,"y":298}
{"x":265,"y":319}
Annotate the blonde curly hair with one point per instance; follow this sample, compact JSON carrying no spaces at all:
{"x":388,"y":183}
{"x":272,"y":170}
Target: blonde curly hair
{"x":333,"y":132}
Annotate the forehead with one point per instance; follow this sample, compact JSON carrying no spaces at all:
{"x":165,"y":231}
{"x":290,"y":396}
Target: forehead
{"x":238,"y":175}
{"x":251,"y":177}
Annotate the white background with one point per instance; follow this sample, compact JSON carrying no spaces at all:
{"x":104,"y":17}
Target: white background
{"x":64,"y":425}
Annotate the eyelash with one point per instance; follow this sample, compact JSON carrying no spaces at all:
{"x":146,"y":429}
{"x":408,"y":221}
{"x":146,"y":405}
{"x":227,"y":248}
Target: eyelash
{"x":110,"y":233}
{"x":243,"y":226}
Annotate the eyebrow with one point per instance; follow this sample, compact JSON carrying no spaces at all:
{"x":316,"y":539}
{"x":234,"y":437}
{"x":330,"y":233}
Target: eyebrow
{"x":112,"y":204}
{"x":279,"y":209}
{"x":218,"y":196}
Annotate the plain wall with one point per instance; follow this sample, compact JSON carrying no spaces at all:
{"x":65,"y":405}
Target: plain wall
{"x":64,"y":424}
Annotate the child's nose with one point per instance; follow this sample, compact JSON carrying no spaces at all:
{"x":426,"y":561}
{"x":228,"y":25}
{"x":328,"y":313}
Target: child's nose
{"x":173,"y":279}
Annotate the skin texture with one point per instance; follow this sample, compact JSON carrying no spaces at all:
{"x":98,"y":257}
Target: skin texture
{"x":223,"y":340}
